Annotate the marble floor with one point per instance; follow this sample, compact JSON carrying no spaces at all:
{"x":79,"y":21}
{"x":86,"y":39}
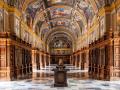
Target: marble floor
{"x":43,"y":80}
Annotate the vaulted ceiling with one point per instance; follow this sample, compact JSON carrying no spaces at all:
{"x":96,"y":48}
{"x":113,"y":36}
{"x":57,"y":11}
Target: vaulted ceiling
{"x":68,"y":18}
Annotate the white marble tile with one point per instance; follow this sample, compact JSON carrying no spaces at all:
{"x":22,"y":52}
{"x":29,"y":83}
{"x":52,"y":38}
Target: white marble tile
{"x":46,"y":83}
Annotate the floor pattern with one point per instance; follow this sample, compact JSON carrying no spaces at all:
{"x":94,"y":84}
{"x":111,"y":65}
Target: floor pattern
{"x":45,"y":82}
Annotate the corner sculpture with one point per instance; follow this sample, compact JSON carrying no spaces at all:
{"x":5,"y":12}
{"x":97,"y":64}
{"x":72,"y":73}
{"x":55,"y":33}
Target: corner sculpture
{"x":60,"y":75}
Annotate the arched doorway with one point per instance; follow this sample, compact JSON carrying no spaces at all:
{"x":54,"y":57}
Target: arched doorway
{"x":60,"y":48}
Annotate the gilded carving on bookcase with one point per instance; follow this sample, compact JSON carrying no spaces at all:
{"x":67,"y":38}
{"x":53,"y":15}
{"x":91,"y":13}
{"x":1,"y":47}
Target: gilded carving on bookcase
{"x":2,"y":57}
{"x":116,"y":57}
{"x":117,"y":50}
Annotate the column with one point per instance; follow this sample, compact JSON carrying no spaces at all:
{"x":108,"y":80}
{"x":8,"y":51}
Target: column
{"x":5,"y":58}
{"x":114,"y":60}
{"x":82,"y":61}
{"x":45,"y":62}
{"x":79,"y":60}
{"x":49,"y":59}
{"x":76,"y":61}
{"x":115,"y":70}
{"x":34,"y":65}
{"x":72,"y":59}
{"x":87,"y":59}
{"x":109,"y":47}
{"x":116,"y":63}
{"x":41,"y":63}
{"x":8,"y":62}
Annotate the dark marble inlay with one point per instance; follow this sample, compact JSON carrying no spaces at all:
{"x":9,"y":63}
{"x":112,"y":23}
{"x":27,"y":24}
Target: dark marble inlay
{"x":76,"y":81}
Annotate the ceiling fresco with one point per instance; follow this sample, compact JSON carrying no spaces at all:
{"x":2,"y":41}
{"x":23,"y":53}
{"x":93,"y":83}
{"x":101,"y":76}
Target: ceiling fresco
{"x":61,"y":22}
{"x":35,"y":7}
{"x":60,"y":12}
{"x":45,"y":15}
{"x":60,"y":37}
{"x":66,"y":2}
{"x":60,"y":44}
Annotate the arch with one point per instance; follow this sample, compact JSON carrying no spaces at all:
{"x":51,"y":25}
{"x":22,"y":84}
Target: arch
{"x":62,"y":37}
{"x":81,"y":14}
{"x":66,"y":23}
{"x":60,"y":29}
{"x":61,"y":32}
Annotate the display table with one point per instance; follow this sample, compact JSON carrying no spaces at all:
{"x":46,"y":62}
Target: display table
{"x":60,"y":76}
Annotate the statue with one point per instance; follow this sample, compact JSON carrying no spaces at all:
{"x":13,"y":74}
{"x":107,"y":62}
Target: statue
{"x":61,"y":62}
